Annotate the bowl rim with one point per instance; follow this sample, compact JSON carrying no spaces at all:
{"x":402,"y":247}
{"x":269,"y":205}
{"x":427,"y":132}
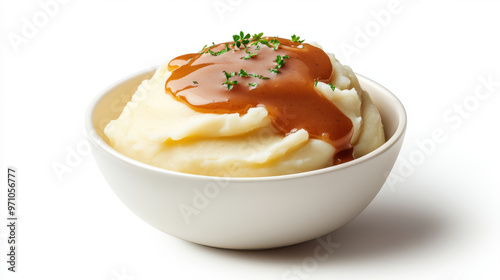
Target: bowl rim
{"x":99,"y":142}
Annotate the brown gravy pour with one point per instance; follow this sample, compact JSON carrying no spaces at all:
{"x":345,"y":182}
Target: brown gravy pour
{"x":289,"y":96}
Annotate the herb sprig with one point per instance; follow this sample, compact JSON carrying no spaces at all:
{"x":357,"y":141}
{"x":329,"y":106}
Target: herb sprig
{"x":250,"y":54}
{"x":229,"y":83}
{"x":241,"y":39}
{"x":297,"y":39}
{"x":257,"y":39}
{"x":209,"y":50}
{"x":280,"y":61}
{"x":276,"y":44}
{"x":258,"y":76}
{"x":244,"y":73}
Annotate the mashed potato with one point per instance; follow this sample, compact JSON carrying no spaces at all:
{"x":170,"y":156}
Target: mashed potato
{"x":156,"y":129}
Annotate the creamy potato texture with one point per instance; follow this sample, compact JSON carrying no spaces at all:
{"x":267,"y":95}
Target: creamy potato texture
{"x":157,"y":129}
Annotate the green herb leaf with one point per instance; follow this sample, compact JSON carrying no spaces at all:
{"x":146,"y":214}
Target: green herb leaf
{"x":241,"y":39}
{"x":229,"y":75}
{"x":223,"y":50}
{"x":280,"y":61}
{"x":252,"y":84}
{"x":229,"y":83}
{"x":316,"y":83}
{"x":202,"y":49}
{"x":297,"y":39}
{"x":257,"y":37}
{"x":332,"y":87}
{"x":258,"y":76}
{"x":250,"y":54}
{"x":209,"y":50}
{"x":275,"y":43}
{"x":195,"y":82}
{"x":242,"y":73}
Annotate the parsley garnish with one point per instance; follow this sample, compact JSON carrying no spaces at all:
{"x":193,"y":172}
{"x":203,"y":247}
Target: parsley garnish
{"x":241,"y":39}
{"x":245,"y":41}
{"x":209,"y":50}
{"x":203,"y":51}
{"x":229,"y":83}
{"x":316,"y":83}
{"x":257,"y":37}
{"x":250,"y":54}
{"x":258,"y":76}
{"x":222,"y":51}
{"x":260,"y":41}
{"x":275,"y":43}
{"x":297,"y":39}
{"x":195,"y":82}
{"x":226,"y":49}
{"x":242,"y":73}
{"x":280,"y":61}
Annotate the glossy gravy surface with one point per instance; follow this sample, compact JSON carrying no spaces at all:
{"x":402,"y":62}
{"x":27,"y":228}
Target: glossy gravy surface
{"x":224,"y":78}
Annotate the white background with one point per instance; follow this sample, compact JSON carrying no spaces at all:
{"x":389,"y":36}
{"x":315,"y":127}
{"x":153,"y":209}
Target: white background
{"x":437,"y":218}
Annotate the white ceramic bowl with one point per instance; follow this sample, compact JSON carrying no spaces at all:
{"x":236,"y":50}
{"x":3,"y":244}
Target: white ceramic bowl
{"x":244,"y":213}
